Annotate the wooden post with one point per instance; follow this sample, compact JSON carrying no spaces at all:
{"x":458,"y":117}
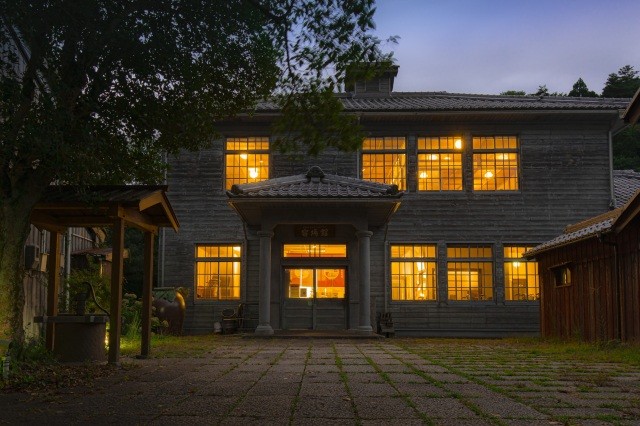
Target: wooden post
{"x":53,"y":263}
{"x":117,"y":274}
{"x":147,"y":284}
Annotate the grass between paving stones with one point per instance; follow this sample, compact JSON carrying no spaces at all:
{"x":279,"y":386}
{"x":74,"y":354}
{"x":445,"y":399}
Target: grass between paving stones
{"x":390,"y":382}
{"x":616,"y":352}
{"x":296,"y":399}
{"x":242,"y":397}
{"x":345,"y":380}
{"x":522,"y":352}
{"x":470,"y":405}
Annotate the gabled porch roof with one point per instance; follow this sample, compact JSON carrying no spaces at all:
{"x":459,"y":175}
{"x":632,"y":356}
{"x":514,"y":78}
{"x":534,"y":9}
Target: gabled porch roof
{"x":318,"y":191}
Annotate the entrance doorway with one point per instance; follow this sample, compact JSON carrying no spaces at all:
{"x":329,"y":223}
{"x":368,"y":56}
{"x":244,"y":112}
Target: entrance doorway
{"x":314,"y":298}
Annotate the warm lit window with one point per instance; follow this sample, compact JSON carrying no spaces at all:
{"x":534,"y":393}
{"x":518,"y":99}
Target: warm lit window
{"x":470,"y":272}
{"x":440,"y":163}
{"x":384,"y":160}
{"x":246,"y":160}
{"x":315,"y":250}
{"x":315,"y":283}
{"x":413,"y":272}
{"x":495,"y":163}
{"x":520,"y":275}
{"x":218,"y":272}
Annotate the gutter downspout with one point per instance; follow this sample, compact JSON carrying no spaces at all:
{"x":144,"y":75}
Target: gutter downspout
{"x":162,"y":237}
{"x":612,"y":201}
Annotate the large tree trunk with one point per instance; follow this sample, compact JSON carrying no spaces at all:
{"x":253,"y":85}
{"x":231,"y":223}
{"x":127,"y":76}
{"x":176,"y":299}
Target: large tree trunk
{"x":14,"y":229}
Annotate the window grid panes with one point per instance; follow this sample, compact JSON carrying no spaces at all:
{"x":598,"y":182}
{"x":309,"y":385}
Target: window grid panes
{"x":384,"y":160}
{"x":316,"y":283}
{"x":495,"y":163}
{"x":413,"y":272}
{"x":440,"y":163}
{"x":520,"y":275}
{"x":470,"y":275}
{"x":315,"y":250}
{"x":218,"y":272}
{"x":246,"y":160}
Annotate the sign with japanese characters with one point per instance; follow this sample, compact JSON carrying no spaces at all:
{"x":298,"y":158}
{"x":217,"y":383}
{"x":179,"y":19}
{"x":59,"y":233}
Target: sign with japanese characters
{"x":315,"y":231}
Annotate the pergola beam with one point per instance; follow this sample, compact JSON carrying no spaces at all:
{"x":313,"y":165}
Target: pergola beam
{"x":53,"y":286}
{"x":117,"y":275}
{"x":147,"y":283}
{"x":141,"y":206}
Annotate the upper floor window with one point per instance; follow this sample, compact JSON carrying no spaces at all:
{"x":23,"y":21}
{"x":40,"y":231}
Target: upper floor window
{"x":470,"y":272}
{"x":495,"y":163}
{"x":520,"y":275}
{"x":246,"y":160}
{"x":384,"y":160}
{"x":218,"y":272}
{"x":440,"y":163}
{"x":413,"y":272}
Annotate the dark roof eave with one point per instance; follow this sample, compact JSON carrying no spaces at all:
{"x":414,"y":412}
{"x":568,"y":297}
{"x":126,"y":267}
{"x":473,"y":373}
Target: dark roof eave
{"x":531,"y":254}
{"x":233,"y":198}
{"x":457,"y":112}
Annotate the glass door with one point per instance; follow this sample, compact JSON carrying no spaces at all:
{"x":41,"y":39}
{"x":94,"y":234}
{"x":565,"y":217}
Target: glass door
{"x":315,"y":298}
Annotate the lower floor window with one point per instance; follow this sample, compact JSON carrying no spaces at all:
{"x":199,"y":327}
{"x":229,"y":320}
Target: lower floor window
{"x":413,"y":272}
{"x":520,"y":275}
{"x":470,"y":274}
{"x":218,"y":272}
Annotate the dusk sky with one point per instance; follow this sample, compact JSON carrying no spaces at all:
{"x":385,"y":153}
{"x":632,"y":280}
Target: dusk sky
{"x":490,"y":46}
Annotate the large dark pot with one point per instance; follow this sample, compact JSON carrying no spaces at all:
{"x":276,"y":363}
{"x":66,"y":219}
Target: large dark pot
{"x":170,"y":306}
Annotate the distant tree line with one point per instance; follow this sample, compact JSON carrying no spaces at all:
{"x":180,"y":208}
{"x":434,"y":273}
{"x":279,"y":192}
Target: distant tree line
{"x":623,"y":84}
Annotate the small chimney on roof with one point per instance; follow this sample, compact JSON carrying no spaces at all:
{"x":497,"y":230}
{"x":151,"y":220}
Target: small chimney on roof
{"x":370,"y":79}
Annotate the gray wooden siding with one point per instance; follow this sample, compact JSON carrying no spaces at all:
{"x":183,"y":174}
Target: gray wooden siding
{"x":36,"y":280}
{"x":564,"y":178}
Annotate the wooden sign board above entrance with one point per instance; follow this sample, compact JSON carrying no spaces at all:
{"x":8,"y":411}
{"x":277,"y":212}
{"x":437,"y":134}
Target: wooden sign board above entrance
{"x":315,"y":231}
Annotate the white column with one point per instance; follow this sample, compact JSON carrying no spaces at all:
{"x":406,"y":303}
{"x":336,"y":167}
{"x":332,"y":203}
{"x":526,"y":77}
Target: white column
{"x":264,"y":304}
{"x":364,"y":248}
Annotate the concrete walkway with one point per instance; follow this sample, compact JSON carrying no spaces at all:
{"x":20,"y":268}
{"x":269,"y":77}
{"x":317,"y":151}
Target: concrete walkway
{"x":339,"y":381}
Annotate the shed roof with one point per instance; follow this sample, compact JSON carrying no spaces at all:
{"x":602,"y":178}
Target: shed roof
{"x":143,"y":206}
{"x":611,"y":221}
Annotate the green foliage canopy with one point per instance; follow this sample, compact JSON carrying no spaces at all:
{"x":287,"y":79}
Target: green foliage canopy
{"x":623,"y":84}
{"x":580,"y":89}
{"x":93,"y":91}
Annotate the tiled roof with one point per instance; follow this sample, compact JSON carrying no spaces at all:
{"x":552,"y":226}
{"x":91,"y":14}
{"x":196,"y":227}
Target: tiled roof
{"x":580,"y":231}
{"x":632,"y":114}
{"x":314,"y":184}
{"x":442,"y":101}
{"x":625,"y":184}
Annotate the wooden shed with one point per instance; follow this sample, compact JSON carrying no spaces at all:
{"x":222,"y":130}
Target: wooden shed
{"x":590,"y":278}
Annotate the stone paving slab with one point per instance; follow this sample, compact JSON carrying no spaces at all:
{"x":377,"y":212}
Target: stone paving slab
{"x":345,"y":382}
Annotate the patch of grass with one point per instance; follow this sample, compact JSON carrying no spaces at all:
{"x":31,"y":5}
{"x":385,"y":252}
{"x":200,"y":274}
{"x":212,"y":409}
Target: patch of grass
{"x":616,"y":352}
{"x":611,"y":405}
{"x":611,"y":418}
{"x":167,"y":346}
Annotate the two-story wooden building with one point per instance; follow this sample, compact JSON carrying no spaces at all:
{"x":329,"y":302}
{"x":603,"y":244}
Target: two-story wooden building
{"x":428,"y":221}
